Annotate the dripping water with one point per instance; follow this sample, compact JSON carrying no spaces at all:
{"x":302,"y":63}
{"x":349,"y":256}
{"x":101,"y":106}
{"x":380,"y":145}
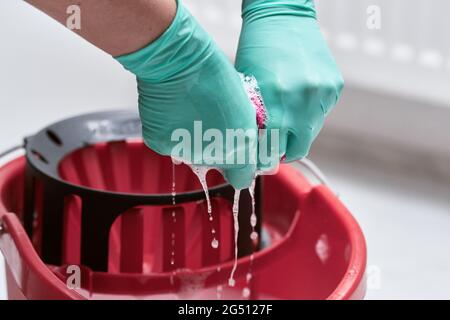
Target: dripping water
{"x":237,"y":193}
{"x":201,"y":173}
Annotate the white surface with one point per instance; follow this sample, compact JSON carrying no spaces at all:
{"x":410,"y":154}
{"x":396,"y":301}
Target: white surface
{"x":406,"y":222}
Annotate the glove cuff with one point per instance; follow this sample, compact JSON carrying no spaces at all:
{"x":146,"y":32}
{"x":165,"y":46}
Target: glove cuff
{"x":256,"y":9}
{"x":178,"y":51}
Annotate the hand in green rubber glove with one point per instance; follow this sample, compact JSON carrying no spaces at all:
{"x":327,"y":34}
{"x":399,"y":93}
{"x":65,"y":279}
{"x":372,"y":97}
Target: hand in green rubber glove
{"x":282,"y":47}
{"x":184,"y":77}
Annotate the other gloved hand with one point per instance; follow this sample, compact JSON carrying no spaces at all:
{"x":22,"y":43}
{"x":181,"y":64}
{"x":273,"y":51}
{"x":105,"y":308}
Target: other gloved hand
{"x":282,"y":47}
{"x":184,"y":77}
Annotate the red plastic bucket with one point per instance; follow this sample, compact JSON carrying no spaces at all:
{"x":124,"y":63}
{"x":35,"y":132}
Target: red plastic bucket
{"x":314,"y":247}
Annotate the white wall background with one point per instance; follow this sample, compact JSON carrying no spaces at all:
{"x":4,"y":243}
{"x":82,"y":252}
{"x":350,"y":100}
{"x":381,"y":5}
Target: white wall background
{"x":48,"y":73}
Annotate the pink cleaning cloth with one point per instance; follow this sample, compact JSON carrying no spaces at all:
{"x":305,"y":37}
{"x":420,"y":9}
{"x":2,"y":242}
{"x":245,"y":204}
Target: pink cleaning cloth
{"x":254,"y":94}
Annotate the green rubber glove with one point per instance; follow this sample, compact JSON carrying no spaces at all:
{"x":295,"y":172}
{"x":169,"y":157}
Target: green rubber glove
{"x":282,"y":47}
{"x":184,"y":77}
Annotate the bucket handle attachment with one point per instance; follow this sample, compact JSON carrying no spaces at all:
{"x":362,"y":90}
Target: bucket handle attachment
{"x":3,"y":155}
{"x":11,"y":150}
{"x":314,"y":170}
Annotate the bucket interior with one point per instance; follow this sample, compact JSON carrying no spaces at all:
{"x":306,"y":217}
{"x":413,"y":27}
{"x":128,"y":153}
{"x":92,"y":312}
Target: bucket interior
{"x":146,"y":239}
{"x":308,"y":247}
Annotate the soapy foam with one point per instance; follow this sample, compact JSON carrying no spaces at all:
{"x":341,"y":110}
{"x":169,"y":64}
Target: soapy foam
{"x":191,"y":282}
{"x":255,"y":96}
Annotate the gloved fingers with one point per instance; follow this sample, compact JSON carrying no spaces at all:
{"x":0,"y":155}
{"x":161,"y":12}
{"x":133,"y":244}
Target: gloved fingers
{"x":329,"y":94}
{"x":298,"y":145}
{"x":299,"y":141}
{"x":240,"y":178}
{"x":315,"y":100}
{"x":271,"y":149}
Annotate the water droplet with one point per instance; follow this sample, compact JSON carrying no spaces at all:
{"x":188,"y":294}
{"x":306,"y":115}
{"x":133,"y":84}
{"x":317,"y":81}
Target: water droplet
{"x":231,"y":282}
{"x":254,"y":235}
{"x":215,"y":244}
{"x":249,"y":277}
{"x":246,"y":293}
{"x":172,"y":259}
{"x":253,"y":220}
